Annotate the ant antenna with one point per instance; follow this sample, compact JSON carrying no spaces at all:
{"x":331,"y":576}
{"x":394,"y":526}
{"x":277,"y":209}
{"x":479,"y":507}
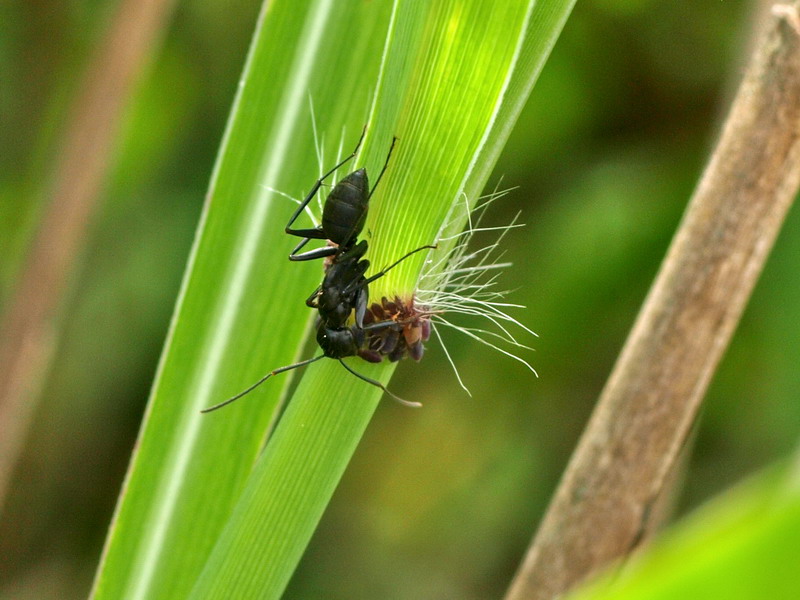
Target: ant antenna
{"x":380,"y":385}
{"x":302,"y":363}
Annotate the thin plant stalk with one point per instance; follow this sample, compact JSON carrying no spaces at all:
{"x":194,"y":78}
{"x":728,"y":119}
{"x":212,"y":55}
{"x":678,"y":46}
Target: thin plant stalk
{"x":603,"y":507}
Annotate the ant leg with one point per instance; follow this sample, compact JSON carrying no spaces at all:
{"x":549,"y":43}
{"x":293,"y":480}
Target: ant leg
{"x":380,"y":385}
{"x":297,"y":248}
{"x":315,"y":188}
{"x":382,"y":325}
{"x":380,"y":274}
{"x":355,"y":253}
{"x":387,"y":323}
{"x":302,"y":363}
{"x":362,"y":299}
{"x":312,"y":254}
{"x":312,"y":300}
{"x":351,"y":281}
{"x":386,"y":164}
{"x":313,"y":233}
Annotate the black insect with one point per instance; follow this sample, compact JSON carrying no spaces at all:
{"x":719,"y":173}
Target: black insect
{"x":344,"y":212}
{"x":345,"y":288}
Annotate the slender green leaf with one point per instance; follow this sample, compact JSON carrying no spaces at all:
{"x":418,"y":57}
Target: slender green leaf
{"x":240,"y":310}
{"x":451,"y":71}
{"x":448,"y":79}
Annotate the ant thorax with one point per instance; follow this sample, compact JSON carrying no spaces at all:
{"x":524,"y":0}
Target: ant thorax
{"x":329,"y":259}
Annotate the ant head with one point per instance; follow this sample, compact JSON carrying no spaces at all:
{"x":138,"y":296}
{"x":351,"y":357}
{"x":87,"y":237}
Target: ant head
{"x":339,"y":342}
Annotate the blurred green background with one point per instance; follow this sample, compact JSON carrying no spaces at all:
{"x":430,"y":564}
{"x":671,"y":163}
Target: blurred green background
{"x":439,"y":502}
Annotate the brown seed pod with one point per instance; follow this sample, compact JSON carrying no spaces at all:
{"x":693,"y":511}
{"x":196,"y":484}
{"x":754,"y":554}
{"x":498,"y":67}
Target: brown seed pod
{"x":406,"y":338}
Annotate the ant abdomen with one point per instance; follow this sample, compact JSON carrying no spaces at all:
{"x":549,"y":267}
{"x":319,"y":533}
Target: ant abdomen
{"x":346,"y":207}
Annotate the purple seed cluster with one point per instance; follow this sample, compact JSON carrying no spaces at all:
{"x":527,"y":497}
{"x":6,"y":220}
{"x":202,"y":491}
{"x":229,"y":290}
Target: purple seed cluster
{"x":412,"y":328}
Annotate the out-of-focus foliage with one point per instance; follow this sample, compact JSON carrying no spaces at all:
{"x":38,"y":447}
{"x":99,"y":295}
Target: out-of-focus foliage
{"x":442,"y":501}
{"x":739,"y":546}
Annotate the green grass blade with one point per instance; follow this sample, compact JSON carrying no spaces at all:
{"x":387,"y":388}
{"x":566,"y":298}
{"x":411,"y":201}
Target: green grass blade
{"x":240,"y":310}
{"x":290,"y":487}
{"x":544,"y":27}
{"x":454,"y":75}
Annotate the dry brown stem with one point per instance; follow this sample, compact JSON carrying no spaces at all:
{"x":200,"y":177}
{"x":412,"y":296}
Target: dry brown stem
{"x":602,"y":508}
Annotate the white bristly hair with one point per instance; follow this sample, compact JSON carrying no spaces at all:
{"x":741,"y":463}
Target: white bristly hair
{"x":464,"y":282}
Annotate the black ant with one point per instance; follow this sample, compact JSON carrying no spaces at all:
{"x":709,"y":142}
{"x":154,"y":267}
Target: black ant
{"x":344,"y":212}
{"x":344,"y":289}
